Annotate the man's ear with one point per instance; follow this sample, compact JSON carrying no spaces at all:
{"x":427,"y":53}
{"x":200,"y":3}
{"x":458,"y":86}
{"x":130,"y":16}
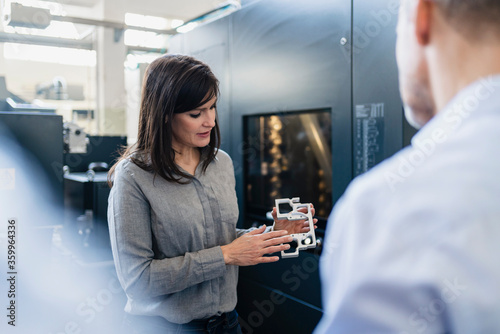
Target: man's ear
{"x":424,"y":12}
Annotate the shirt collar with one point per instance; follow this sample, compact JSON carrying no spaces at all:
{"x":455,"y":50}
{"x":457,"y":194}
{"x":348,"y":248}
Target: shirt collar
{"x":467,"y":102}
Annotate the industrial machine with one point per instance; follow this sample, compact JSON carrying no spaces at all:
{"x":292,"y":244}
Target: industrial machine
{"x":86,"y":193}
{"x":309,"y":100}
{"x":74,"y":169}
{"x":86,"y":224}
{"x":41,"y":136}
{"x":12,"y":102}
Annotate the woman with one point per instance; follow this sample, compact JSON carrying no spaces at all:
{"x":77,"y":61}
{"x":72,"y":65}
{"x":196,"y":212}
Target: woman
{"x":173,"y":210}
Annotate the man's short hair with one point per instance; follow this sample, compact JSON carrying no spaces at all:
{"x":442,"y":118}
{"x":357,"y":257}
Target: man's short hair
{"x":472,"y":17}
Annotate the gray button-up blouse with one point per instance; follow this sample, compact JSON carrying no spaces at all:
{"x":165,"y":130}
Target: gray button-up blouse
{"x":166,"y":240}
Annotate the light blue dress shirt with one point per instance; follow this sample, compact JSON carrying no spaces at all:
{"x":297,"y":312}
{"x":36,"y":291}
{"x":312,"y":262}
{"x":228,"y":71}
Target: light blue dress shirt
{"x":413,"y":246}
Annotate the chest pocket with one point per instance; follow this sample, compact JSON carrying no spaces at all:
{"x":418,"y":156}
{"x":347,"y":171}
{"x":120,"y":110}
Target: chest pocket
{"x":227,"y":202}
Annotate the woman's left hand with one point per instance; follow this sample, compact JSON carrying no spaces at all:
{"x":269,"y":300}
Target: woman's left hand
{"x":293,"y":226}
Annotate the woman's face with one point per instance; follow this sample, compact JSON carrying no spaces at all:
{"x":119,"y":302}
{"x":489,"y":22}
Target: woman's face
{"x":192,"y":129}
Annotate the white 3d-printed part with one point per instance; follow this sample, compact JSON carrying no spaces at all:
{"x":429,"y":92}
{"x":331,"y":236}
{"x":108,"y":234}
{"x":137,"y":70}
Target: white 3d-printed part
{"x":303,"y":240}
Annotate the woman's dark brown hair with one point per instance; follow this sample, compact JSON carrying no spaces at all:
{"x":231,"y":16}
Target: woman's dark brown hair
{"x":173,"y":84}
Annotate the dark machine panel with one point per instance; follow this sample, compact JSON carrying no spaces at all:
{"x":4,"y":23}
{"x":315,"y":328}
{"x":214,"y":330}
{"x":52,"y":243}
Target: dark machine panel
{"x":295,"y":277}
{"x":41,"y":135}
{"x":287,"y":56}
{"x":99,"y":149}
{"x":266,"y":310}
{"x":377,"y":108}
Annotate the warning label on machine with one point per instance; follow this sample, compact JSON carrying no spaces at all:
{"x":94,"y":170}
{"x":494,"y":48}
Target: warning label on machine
{"x":368,"y":136}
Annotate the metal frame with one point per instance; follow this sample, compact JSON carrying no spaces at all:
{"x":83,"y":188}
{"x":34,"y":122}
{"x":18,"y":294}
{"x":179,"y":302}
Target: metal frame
{"x":304,"y":240}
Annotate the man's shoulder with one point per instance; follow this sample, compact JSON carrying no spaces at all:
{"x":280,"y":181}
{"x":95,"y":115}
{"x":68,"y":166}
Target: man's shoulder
{"x":400,"y":184}
{"x":384,"y":178}
{"x":454,"y":179}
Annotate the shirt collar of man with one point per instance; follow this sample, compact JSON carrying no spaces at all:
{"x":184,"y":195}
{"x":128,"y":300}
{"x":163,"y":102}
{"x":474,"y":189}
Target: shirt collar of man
{"x":465,"y":104}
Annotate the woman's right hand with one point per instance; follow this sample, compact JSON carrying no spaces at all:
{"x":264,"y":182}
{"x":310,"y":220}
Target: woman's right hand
{"x":250,"y":248}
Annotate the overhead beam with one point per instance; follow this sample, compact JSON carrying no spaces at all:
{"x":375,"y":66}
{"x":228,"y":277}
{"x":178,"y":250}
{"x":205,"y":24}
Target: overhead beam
{"x":46,"y":41}
{"x":110,"y":24}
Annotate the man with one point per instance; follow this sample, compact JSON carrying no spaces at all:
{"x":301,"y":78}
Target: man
{"x":413,"y":245}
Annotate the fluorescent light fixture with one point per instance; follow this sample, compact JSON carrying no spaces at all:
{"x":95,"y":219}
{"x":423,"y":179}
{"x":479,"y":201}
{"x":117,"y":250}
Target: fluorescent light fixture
{"x":176,"y":23}
{"x":145,"y":39}
{"x":187,"y":27}
{"x":146,"y":21}
{"x":133,"y":60}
